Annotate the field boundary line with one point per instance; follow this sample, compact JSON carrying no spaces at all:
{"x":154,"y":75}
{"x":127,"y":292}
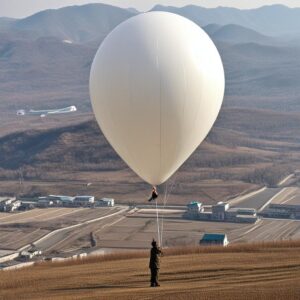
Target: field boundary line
{"x":244,"y":197}
{"x":269,"y":201}
{"x":285,"y":179}
{"x":73,"y":226}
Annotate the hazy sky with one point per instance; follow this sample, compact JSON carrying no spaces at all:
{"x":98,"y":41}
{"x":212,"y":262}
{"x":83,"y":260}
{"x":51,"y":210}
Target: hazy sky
{"x":21,"y":8}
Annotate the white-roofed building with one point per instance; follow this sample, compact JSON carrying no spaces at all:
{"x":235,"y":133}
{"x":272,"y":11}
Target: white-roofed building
{"x":193,"y":209}
{"x":218,"y":210}
{"x":105,"y":202}
{"x":8,"y":204}
{"x":61,"y":200}
{"x":212,"y":239}
{"x":84,"y":200}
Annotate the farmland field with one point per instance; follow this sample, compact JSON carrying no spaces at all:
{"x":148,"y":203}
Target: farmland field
{"x":124,"y":228}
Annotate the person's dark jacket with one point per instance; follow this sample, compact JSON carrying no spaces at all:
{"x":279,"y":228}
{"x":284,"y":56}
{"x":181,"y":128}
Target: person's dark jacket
{"x":155,"y":258}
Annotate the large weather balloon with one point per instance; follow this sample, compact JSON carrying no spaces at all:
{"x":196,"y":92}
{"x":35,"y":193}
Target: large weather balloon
{"x":157,"y":85}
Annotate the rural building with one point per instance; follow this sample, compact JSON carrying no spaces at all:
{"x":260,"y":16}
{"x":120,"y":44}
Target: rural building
{"x":84,"y":200}
{"x":105,"y":202}
{"x":26,"y":255}
{"x":27,"y":205}
{"x":8,"y":204}
{"x":61,"y":200}
{"x":241,"y":215}
{"x":44,"y":202}
{"x":285,"y":211}
{"x":4,"y":202}
{"x":210,"y":239}
{"x":220,"y":212}
{"x":14,"y":206}
{"x":194,"y":208}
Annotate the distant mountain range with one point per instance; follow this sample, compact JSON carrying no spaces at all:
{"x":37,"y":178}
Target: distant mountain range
{"x":75,"y":23}
{"x":274,"y":20}
{"x":237,"y":34}
{"x":94,"y":21}
{"x":45,"y":58}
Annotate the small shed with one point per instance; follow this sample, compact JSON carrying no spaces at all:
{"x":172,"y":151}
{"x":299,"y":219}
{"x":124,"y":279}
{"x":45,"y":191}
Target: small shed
{"x":210,"y":239}
{"x":106,"y":202}
{"x":84,"y":200}
{"x":194,"y":207}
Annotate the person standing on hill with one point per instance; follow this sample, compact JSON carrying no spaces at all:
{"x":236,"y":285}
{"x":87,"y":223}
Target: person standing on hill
{"x":154,"y":263}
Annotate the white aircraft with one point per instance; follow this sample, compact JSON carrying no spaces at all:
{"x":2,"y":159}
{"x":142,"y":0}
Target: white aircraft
{"x":44,"y":113}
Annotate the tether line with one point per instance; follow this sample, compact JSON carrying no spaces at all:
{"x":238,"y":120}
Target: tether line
{"x":157,"y":222}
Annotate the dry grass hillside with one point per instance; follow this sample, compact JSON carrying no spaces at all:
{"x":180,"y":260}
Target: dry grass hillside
{"x":261,"y":150}
{"x":257,"y":271}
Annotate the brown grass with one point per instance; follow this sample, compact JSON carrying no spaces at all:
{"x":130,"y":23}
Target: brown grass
{"x":245,"y":271}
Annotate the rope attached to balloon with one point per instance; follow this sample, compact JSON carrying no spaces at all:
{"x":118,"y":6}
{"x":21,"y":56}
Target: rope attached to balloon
{"x":157,"y":223}
{"x":160,"y":225}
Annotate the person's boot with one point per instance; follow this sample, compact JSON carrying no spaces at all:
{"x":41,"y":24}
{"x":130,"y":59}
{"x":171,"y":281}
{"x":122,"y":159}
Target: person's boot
{"x":152,"y":285}
{"x":157,"y":284}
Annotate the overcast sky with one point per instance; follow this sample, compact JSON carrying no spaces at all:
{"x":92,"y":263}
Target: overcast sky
{"x":21,"y":8}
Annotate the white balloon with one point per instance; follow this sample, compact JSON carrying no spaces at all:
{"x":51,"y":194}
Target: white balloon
{"x":157,"y":85}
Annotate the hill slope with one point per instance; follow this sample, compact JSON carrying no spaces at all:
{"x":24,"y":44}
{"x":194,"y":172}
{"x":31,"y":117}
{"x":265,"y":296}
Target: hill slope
{"x":254,"y":19}
{"x":242,"y":143}
{"x":236,"y":34}
{"x":239,"y":272}
{"x":43,"y":72}
{"x":75,"y":23}
{"x":35,"y":73}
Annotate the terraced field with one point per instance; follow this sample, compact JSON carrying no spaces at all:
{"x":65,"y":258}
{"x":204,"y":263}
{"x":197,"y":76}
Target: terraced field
{"x":20,"y":229}
{"x":124,"y":228}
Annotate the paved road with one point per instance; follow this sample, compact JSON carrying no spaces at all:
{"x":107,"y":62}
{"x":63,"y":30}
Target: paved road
{"x":260,"y":199}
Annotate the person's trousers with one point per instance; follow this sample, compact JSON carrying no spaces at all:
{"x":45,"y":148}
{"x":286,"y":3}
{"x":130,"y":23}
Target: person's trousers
{"x":154,"y":276}
{"x":152,"y":198}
